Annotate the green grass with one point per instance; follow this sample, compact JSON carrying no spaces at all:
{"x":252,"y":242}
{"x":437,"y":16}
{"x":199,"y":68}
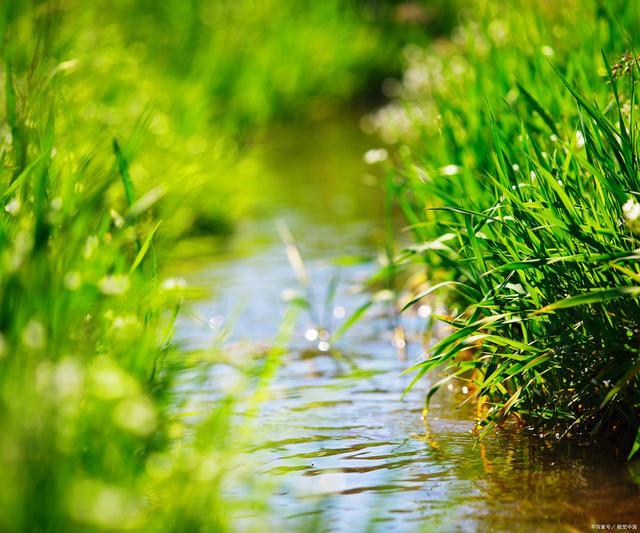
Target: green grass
{"x":517,"y":151}
{"x":127,"y":126}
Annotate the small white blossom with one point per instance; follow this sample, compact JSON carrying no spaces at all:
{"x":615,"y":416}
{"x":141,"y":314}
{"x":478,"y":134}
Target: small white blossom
{"x":631,"y":211}
{"x":72,"y":280}
{"x":579,"y":140}
{"x":13,"y":207}
{"x":56,"y":203}
{"x":114,"y":285}
{"x":547,"y":51}
{"x":170,"y":284}
{"x":450,"y":170}
{"x":378,"y":155}
{"x":118,"y":221}
{"x":34,"y":335}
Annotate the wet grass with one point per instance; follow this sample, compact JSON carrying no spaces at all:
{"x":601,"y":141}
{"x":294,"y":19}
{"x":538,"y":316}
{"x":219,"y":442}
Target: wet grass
{"x":516,"y":168}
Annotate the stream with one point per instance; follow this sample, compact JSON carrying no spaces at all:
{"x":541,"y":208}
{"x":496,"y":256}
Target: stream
{"x":336,"y":437}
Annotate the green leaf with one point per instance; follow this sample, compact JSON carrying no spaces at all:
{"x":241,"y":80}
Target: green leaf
{"x":144,"y":248}
{"x":591,"y":297}
{"x":123,"y":169}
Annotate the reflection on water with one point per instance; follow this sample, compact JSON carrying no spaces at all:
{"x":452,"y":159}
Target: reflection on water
{"x":335,"y":433}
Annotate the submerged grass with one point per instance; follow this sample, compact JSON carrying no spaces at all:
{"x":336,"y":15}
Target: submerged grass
{"x":517,"y":151}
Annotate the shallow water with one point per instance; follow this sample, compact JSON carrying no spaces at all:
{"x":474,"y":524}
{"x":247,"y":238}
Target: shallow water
{"x":335,"y":434}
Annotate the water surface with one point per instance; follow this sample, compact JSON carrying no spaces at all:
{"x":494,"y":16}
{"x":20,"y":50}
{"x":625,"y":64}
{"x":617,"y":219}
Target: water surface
{"x":335,"y":434}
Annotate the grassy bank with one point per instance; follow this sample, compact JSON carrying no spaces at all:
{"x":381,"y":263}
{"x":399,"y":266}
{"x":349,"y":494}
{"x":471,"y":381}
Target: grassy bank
{"x":517,"y":172}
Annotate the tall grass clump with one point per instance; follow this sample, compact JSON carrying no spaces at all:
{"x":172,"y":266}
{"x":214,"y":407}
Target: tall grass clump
{"x":517,"y":150}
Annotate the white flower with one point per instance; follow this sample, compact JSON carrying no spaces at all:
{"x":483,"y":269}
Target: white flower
{"x":13,"y":207}
{"x":34,"y":335}
{"x":170,"y":284}
{"x":631,"y":211}
{"x":371,"y":157}
{"x":118,"y":221}
{"x":579,"y":140}
{"x":114,"y":285}
{"x":72,"y":280}
{"x":68,"y":377}
{"x":450,"y":170}
{"x":56,"y":203}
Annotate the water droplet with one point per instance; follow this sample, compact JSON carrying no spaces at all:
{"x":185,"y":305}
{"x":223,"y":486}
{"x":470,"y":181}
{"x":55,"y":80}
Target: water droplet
{"x":339,"y":312}
{"x":289,"y":295}
{"x":216,"y":321}
{"x":311,"y":334}
{"x":324,"y":346}
{"x":399,"y":343}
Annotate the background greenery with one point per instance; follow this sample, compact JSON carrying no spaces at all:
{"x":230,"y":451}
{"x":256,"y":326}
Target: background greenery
{"x":127,"y":126}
